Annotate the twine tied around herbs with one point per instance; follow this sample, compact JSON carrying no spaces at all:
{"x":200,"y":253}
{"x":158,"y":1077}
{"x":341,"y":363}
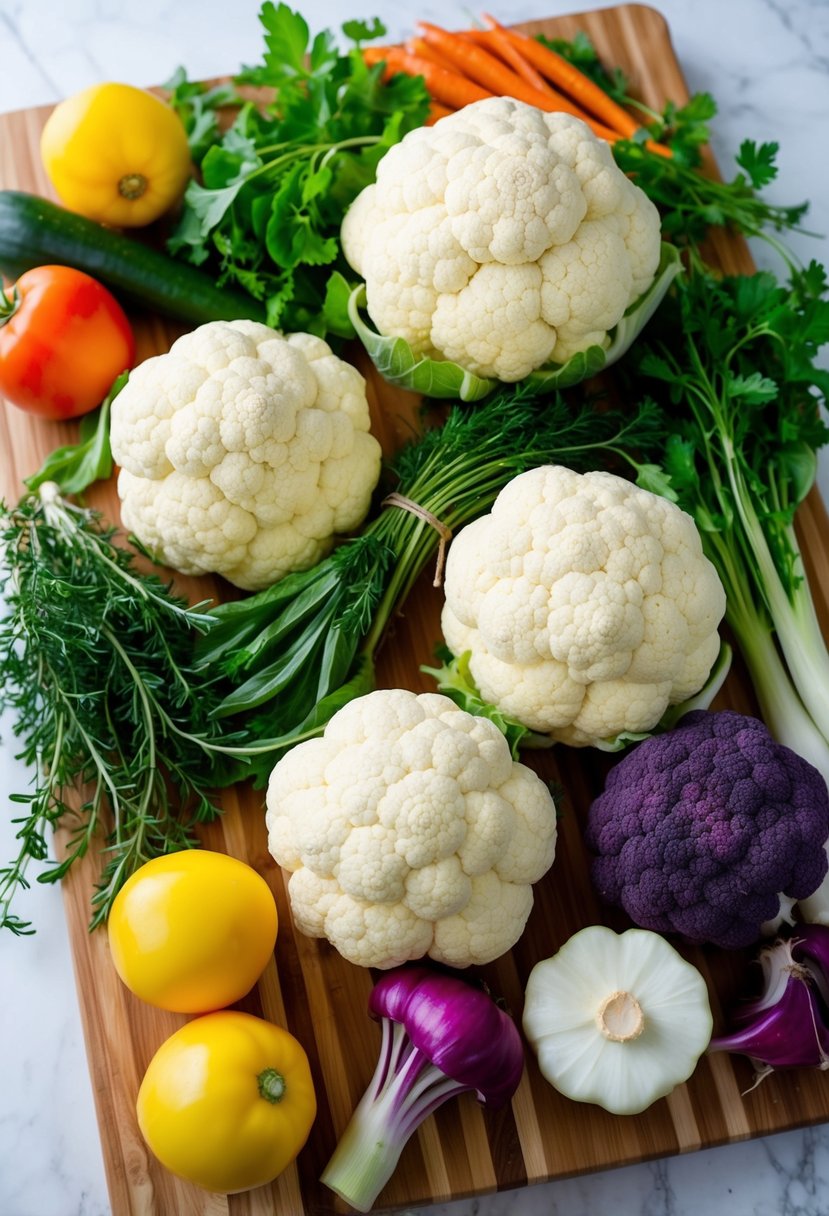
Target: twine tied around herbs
{"x":443,"y":530}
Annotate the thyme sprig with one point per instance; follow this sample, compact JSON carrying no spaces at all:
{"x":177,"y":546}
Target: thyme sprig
{"x":95,"y":662}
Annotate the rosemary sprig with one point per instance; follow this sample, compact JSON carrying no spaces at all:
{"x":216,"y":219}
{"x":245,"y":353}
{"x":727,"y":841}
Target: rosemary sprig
{"x":95,"y":665}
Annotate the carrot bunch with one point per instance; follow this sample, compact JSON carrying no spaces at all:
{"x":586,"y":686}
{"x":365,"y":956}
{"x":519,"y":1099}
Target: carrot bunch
{"x":468,"y":65}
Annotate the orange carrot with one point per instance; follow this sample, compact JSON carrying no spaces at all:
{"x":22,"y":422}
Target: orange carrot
{"x":559,"y":70}
{"x":484,"y":39}
{"x":481,"y":37}
{"x":496,"y":40}
{"x":659,"y":149}
{"x":447,"y":88}
{"x":375,"y":54}
{"x":562,"y":73}
{"x":482,"y":67}
{"x":420,"y":47}
{"x":449,"y":83}
{"x":413,"y":46}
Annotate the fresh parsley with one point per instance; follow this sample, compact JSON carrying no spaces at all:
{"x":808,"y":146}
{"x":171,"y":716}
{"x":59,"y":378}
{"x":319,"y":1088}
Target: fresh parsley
{"x":732,"y":364}
{"x":277,"y":182}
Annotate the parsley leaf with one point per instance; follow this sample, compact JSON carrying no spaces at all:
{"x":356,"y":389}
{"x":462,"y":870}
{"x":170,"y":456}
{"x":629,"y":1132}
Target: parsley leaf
{"x":362,"y":31}
{"x":286,"y":39}
{"x":197,"y":107}
{"x":758,"y":160}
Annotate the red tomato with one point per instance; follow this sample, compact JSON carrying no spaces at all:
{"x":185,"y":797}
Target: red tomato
{"x":62,"y":343}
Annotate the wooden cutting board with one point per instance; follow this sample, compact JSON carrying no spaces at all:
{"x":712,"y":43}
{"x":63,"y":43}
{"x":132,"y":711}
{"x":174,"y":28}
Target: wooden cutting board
{"x":307,"y":987}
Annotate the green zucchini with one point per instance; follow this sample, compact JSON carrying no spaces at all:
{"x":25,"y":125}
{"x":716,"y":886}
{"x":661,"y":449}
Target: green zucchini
{"x":35,"y":232}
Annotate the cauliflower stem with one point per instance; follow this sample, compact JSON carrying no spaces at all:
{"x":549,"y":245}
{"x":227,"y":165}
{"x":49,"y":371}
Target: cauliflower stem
{"x":455,"y":680}
{"x":398,"y":363}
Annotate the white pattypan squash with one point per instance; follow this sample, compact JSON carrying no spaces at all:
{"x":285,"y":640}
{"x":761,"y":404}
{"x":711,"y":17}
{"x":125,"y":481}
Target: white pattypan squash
{"x":617,"y":1019}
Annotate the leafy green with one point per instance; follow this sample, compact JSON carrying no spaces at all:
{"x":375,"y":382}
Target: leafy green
{"x":398,"y":364}
{"x":441,"y":378}
{"x":732,"y":364}
{"x":197,"y":106}
{"x":455,"y":680}
{"x":75,"y":466}
{"x":692,"y":203}
{"x":276,"y":183}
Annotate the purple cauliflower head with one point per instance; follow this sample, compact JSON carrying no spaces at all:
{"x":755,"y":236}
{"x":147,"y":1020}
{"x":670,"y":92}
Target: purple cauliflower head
{"x":700,"y":830}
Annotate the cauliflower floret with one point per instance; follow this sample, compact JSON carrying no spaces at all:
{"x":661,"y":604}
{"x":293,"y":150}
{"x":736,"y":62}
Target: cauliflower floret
{"x":502,"y":238}
{"x":586,"y":603}
{"x":243,"y":452}
{"x":410,"y":831}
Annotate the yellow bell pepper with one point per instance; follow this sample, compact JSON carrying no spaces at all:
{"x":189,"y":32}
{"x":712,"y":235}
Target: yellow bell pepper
{"x":227,"y":1101}
{"x":116,"y":154}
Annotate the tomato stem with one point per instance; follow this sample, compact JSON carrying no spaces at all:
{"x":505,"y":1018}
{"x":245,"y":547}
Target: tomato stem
{"x":271,"y":1085}
{"x":9,"y":303}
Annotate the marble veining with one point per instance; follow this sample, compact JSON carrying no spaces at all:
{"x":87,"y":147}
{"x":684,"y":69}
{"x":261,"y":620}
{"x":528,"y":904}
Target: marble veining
{"x":767,"y":62}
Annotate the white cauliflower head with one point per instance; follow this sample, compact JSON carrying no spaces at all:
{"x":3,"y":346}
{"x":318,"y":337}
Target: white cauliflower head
{"x":410,"y":830}
{"x":586,"y":603}
{"x":502,"y":238}
{"x":243,"y":452}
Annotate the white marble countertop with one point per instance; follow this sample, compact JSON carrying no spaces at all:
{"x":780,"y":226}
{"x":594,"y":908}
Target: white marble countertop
{"x":767,"y":62}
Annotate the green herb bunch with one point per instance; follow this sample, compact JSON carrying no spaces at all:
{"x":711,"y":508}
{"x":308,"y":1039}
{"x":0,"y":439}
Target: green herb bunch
{"x":732,"y":365}
{"x":296,"y":652}
{"x":96,"y":665}
{"x":276,"y":184}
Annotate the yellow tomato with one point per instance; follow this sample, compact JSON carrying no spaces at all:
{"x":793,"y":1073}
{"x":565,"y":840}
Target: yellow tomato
{"x":116,"y":154}
{"x":192,"y":931}
{"x":227,"y":1101}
